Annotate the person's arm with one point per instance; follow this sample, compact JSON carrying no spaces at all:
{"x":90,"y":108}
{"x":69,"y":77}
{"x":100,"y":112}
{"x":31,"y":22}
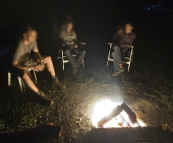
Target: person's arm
{"x":61,"y":35}
{"x":15,"y":64}
{"x":75,"y":36}
{"x":40,"y":64}
{"x":75,"y":40}
{"x":37,"y":54}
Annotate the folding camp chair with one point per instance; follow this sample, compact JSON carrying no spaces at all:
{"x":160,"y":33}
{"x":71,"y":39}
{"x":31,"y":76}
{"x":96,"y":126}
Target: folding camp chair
{"x":5,"y":52}
{"x":63,"y":57}
{"x":20,"y":80}
{"x":126,"y":58}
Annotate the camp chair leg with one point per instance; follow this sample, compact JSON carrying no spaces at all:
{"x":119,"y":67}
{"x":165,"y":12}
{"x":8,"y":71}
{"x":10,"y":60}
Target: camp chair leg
{"x":21,"y":84}
{"x":63,"y":65}
{"x":9,"y":79}
{"x":35,"y":77}
{"x":128,"y":67}
{"x":83,"y":62}
{"x":107,"y":62}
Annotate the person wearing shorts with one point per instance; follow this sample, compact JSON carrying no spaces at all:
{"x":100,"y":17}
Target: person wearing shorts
{"x":24,"y":61}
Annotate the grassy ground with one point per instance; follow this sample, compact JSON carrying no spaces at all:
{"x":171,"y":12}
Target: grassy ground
{"x":146,"y":89}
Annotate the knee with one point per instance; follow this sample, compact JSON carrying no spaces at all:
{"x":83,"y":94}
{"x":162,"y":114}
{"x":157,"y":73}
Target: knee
{"x":25,"y":76}
{"x":113,"y":54}
{"x":67,"y":51}
{"x":47,"y":59}
{"x":116,"y":48}
{"x":83,"y":52}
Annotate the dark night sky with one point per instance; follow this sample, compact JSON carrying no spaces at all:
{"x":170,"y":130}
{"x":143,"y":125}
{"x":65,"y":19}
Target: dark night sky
{"x":32,"y":11}
{"x":94,"y":19}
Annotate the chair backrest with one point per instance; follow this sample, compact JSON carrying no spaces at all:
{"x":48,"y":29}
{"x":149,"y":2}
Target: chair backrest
{"x":110,"y":45}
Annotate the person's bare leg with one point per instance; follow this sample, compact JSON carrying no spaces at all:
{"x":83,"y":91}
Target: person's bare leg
{"x":49,"y":65}
{"x":29,"y":82}
{"x":33,"y":87}
{"x":121,"y":66}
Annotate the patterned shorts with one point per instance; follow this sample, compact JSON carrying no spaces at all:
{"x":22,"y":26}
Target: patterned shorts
{"x":30,"y":61}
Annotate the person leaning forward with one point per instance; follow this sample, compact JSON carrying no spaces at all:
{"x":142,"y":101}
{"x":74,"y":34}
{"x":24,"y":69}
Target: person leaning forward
{"x":23,"y":61}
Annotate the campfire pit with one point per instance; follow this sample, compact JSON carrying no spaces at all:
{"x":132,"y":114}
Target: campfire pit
{"x":110,"y":114}
{"x":128,"y":135}
{"x":116,"y":111}
{"x":117,"y":123}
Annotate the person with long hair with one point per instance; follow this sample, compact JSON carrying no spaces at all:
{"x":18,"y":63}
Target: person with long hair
{"x":24,"y":61}
{"x":69,"y":38}
{"x":123,"y":39}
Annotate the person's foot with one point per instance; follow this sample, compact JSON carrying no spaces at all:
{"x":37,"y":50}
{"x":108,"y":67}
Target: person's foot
{"x":56,"y":82}
{"x":74,"y":70}
{"x":116,"y":74}
{"x":121,"y":70}
{"x":45,"y":100}
{"x":82,"y":71}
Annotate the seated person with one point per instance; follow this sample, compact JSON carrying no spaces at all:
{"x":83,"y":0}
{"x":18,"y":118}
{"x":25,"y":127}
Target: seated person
{"x":68,"y":36}
{"x":23,"y":61}
{"x":123,"y":39}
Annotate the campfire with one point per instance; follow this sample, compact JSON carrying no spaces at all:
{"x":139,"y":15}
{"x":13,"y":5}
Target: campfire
{"x":110,"y":114}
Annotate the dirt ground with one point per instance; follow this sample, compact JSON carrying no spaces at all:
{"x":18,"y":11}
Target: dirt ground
{"x":74,"y":111}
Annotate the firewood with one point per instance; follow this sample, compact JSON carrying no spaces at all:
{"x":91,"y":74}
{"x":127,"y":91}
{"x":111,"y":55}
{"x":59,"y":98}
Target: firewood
{"x":117,"y":110}
{"x":129,"y":112}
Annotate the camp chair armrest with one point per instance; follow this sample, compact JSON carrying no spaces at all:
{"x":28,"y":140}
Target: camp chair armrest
{"x":82,"y":43}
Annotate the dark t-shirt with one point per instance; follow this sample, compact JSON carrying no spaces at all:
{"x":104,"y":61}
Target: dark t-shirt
{"x":23,"y":51}
{"x":124,"y":40}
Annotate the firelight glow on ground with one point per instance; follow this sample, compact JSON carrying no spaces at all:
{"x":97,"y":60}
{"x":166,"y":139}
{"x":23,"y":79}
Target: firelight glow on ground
{"x":104,"y":107}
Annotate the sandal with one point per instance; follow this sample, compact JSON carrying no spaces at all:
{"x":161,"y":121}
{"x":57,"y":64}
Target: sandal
{"x":116,"y":74}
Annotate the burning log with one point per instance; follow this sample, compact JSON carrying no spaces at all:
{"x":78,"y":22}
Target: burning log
{"x":129,"y":112}
{"x":123,"y":120}
{"x":117,"y":110}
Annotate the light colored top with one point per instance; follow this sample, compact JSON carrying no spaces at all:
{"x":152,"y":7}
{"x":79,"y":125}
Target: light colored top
{"x":23,"y":51}
{"x":68,"y":38}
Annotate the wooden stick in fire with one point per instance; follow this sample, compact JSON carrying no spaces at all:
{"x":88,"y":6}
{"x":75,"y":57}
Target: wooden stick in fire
{"x":129,"y":112}
{"x":117,"y":110}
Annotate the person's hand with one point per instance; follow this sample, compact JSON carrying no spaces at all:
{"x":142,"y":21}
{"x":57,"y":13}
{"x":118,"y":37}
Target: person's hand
{"x":76,"y":46}
{"x":37,"y":68}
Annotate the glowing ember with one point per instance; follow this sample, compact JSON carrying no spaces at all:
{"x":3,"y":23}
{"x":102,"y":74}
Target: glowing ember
{"x":104,"y":107}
